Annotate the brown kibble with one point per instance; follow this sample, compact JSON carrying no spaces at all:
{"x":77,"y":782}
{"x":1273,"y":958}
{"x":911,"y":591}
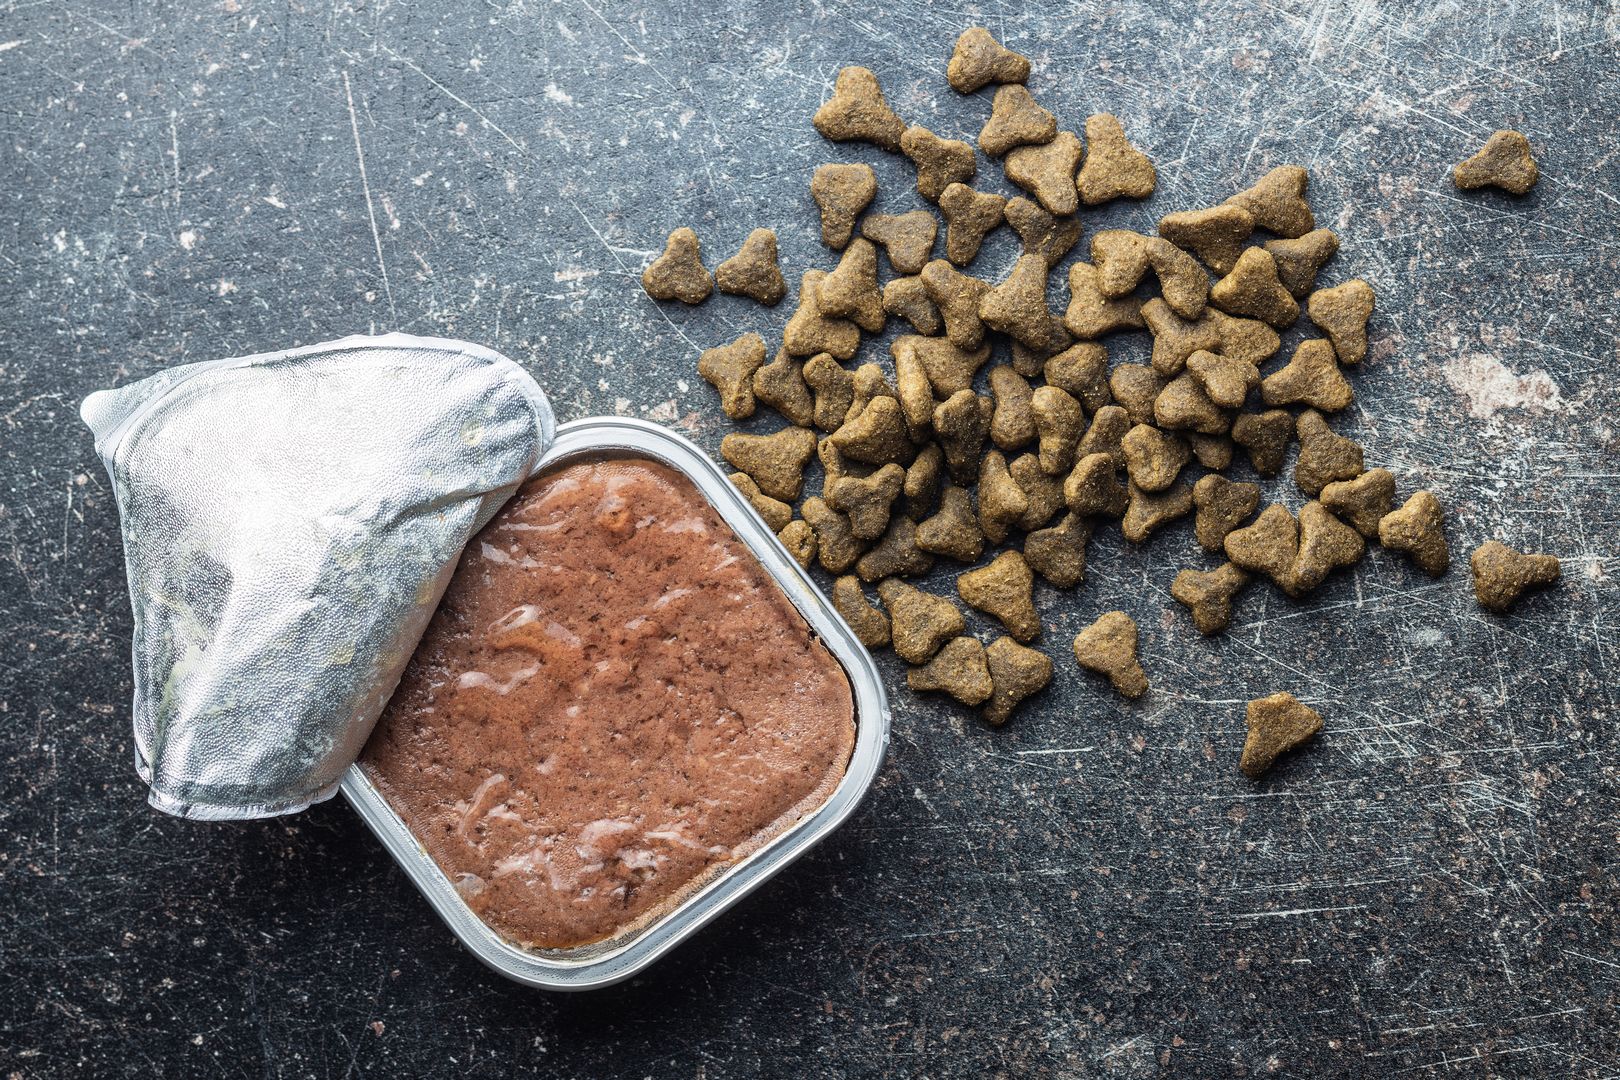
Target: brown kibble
{"x":1047,"y":172}
{"x":907,"y":297}
{"x":969,"y":217}
{"x":1183,"y":283}
{"x":1312,"y":377}
{"x":780,"y":384}
{"x":1106,"y":435}
{"x":1504,"y":161}
{"x":919,"y":622}
{"x":1325,"y":544}
{"x":1226,"y":379}
{"x":1211,"y":451}
{"x":1502,"y":575}
{"x":1362,"y":502}
{"x":1108,"y":647}
{"x":949,"y":368}
{"x":957,"y":296}
{"x":857,"y":111}
{"x":1059,"y":423}
{"x":776,"y":461}
{"x":1184,"y":406}
{"x":1323,"y":456}
{"x":1215,"y":235}
{"x":1265,"y":436}
{"x":867,"y":384}
{"x":876,"y":435}
{"x":1299,"y":260}
{"x":1091,"y":314}
{"x":1044,"y":491}
{"x":809,"y":331}
{"x":871,"y":626}
{"x":867,"y":500}
{"x":833,"y":463}
{"x":954,"y":531}
{"x":1277,"y":724}
{"x":940,"y":162}
{"x":1093,"y":490}
{"x":1277,"y":202}
{"x":1120,"y":258}
{"x":1149,"y":511}
{"x":896,"y":555}
{"x":1016,"y":673}
{"x":1013,"y":423}
{"x":1253,"y":290}
{"x":915,"y":392}
{"x":1042,"y":234}
{"x":1342,"y":313}
{"x":753,"y":272}
{"x":730,"y":369}
{"x":1135,"y":388}
{"x":908,"y":239}
{"x":979,"y":60}
{"x":922,"y":481}
{"x":1002,"y":503}
{"x":833,"y":389}
{"x":679,"y":273}
{"x":1058,"y":553}
{"x":1113,"y":167}
{"x":1018,"y":305}
{"x":961,"y":424}
{"x":851,"y":291}
{"x":1223,"y":505}
{"x":1175,"y":339}
{"x":775,"y":512}
{"x":1016,"y":119}
{"x":1154,"y":458}
{"x":1208,"y":595}
{"x":835,"y":540}
{"x":1245,"y":339}
{"x":1081,"y":371}
{"x":1418,"y":528}
{"x":800,"y":540}
{"x":841,"y":192}
{"x":1005,"y":589}
{"x":1269,"y":546}
{"x":1030,"y":362}
{"x":958,"y":669}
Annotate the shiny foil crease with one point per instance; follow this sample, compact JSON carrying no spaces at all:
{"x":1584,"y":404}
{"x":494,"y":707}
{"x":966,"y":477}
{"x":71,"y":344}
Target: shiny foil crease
{"x":290,"y":521}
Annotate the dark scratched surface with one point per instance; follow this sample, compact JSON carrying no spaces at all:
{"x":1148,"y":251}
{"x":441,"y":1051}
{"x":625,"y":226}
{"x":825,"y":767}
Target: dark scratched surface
{"x":1093,"y":890}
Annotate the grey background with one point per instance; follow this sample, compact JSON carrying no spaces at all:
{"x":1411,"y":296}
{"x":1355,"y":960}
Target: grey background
{"x":1094,"y":890}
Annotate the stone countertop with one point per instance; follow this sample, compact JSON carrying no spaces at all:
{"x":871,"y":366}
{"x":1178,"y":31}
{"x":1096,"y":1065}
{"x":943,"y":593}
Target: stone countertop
{"x":1093,"y":890}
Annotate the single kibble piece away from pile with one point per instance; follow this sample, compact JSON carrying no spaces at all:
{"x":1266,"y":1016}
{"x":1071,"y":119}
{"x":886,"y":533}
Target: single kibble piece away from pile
{"x":1108,"y":647}
{"x":1503,"y":162}
{"x":1277,"y":724}
{"x":1502,"y":575}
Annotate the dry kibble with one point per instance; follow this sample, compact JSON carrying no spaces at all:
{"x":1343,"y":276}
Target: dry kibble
{"x":1265,"y":436}
{"x":1042,"y":233}
{"x":867,"y":383}
{"x":915,"y":392}
{"x":1277,"y":724}
{"x":835,"y":540}
{"x":957,"y":296}
{"x":949,"y":367}
{"x":1005,"y":589}
{"x":1154,"y":458}
{"x":1323,"y":456}
{"x":1120,"y":258}
{"x":1298,"y":260}
{"x":1113,"y":167}
{"x":1016,"y":119}
{"x":679,"y":273}
{"x":919,"y":622}
{"x":979,"y":60}
{"x":1342,"y":313}
{"x":775,"y":512}
{"x":1030,"y":361}
{"x":871,"y":626}
{"x":858,"y":112}
{"x":922,"y":481}
{"x":1059,"y":423}
{"x":780,"y":384}
{"x":1135,"y":388}
{"x":908,"y":239}
{"x":1044,"y":491}
{"x":1093,"y":490}
{"x":1013,"y":423}
{"x":908,"y":298}
{"x":841,"y":192}
{"x":939,"y":162}
{"x":876,"y":435}
{"x":896,"y":555}
{"x":1277,"y":202}
{"x":1245,"y":339}
{"x":1502,"y":575}
{"x":969,"y":216}
{"x":1018,"y":305}
{"x":834,"y":465}
{"x":1208,"y":595}
{"x":1091,"y":314}
{"x":867,"y":500}
{"x":1183,"y":283}
{"x":809,"y":331}
{"x":1311,"y":377}
{"x":1252,"y":290}
{"x":1362,"y":502}
{"x":958,"y":669}
{"x":776,"y":462}
{"x":1325,"y":544}
{"x":1108,"y":647}
{"x":832,"y":388}
{"x":800,"y":540}
{"x":1184,"y":406}
{"x":961,"y":425}
{"x":1211,"y":451}
{"x":753,"y":272}
{"x":1016,"y":673}
{"x":851,"y":291}
{"x":730,"y":369}
{"x":1081,"y":371}
{"x":1106,"y":435}
{"x":1002,"y":503}
{"x":1149,"y":511}
{"x":1223,"y":505}
{"x":1418,"y":528}
{"x":954,"y":531}
{"x":1175,"y":339}
{"x":1216,"y":235}
{"x":1504,"y":161}
{"x":1269,"y":546}
{"x":1047,"y":172}
{"x":1226,"y":379}
{"x":1058,"y":553}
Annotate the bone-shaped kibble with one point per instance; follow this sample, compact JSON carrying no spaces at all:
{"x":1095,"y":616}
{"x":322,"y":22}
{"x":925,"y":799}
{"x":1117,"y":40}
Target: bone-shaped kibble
{"x":1265,"y":437}
{"x":1059,"y":423}
{"x":809,"y":331}
{"x":1106,"y":435}
{"x":871,"y":626}
{"x":969,"y":217}
{"x":1252,"y":290}
{"x":961,"y":425}
{"x":841,"y":192}
{"x":776,"y":461}
{"x":1298,"y":260}
{"x":1135,"y":388}
{"x":1175,"y":339}
{"x":1058,"y":553}
{"x":1016,"y":119}
{"x":949,"y":368}
{"x":954,"y":531}
{"x":979,"y":60}
{"x":1154,"y":458}
{"x":1108,"y":647}
{"x":1081,"y":371}
{"x":1042,"y":233}
{"x":1122,"y":258}
{"x":908,"y":298}
{"x":1004,"y":589}
{"x":1226,"y":379}
{"x":1017,"y":306}
{"x":1092,"y":489}
{"x":896,"y":555}
{"x":857,"y":111}
{"x":753,"y":272}
{"x":1325,"y":544}
{"x":1047,"y":172}
{"x":940,"y":162}
{"x":876,"y":435}
{"x":1113,"y":167}
{"x":730,"y":370}
{"x":1043,"y":490}
{"x":867,"y":383}
{"x":1002,"y":503}
{"x":957,"y":297}
{"x":1311,"y":377}
{"x":1183,"y":405}
{"x":835,"y":540}
{"x":1418,"y":528}
{"x":958,"y":669}
{"x":800,"y":540}
{"x":1504,"y":161}
{"x":775,"y":512}
{"x":922,"y":481}
{"x":908,"y":239}
{"x":1208,"y":595}
{"x":919,"y":622}
{"x":1216,"y":234}
{"x":915,"y":393}
{"x":1277,"y":725}
{"x":867,"y":500}
{"x":679,"y":273}
{"x":1030,"y":360}
{"x":1223,"y":505}
{"x":1502,"y":575}
{"x":1277,"y":202}
{"x":1016,"y":673}
{"x":1269,"y":546}
{"x":1012,"y":426}
{"x":1362,"y":502}
{"x":832,"y":388}
{"x":1149,"y":511}
{"x":1091,"y":314}
{"x":1342,"y":313}
{"x":780,"y":384}
{"x":1212,"y":451}
{"x":1323,"y":456}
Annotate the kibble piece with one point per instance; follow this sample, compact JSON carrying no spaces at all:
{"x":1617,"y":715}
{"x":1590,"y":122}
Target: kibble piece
{"x":1342,"y":313}
{"x":857,"y":111}
{"x":1016,"y":119}
{"x":1058,"y":553}
{"x":1108,"y":647}
{"x":1323,"y":456}
{"x":960,"y":427}
{"x":800,"y":540}
{"x":1246,"y":339}
{"x":679,"y":273}
{"x":1362,"y":502}
{"x":835,"y":540}
{"x":1059,"y":423}
{"x":1253,"y":290}
{"x":969,"y":217}
{"x":1211,"y":451}
{"x":1265,"y":436}
{"x":957,"y":296}
{"x":922,"y":481}
{"x":809,"y":331}
{"x":867,"y":383}
{"x":1418,"y":528}
{"x":1081,"y":371}
{"x":1030,"y":361}
{"x":1042,"y":233}
{"x":1277,"y":724}
{"x":958,"y":669}
{"x":1299,"y":260}
{"x":1223,"y":505}
{"x":954,"y":531}
{"x":908,"y":239}
{"x":1016,"y":673}
{"x":896,"y":555}
{"x":940,"y":162}
{"x":851,"y":291}
{"x":1277,"y":202}
{"x":1091,"y":314}
{"x":1044,"y":491}
{"x":1121,"y":259}
{"x":1176,"y":339}
{"x":1184,"y":406}
{"x":1154,"y":458}
{"x":1149,"y":511}
{"x":979,"y":60}
{"x":1502,"y":575}
{"x":1013,"y":423}
{"x":1106,"y":435}
{"x":1002,"y":503}
{"x":871,"y":626}
{"x":775,"y":512}
{"x":908,"y":298}
{"x":1093,"y":490}
{"x":730,"y":369}
{"x":1325,"y":544}
{"x":949,"y":367}
{"x":1269,"y":546}
{"x":1113,"y":167}
{"x":1135,"y":388}
{"x":919,"y":622}
{"x":876,"y":435}
{"x":834,"y":465}
{"x":1312,"y":377}
{"x":841,"y":192}
{"x":1182,"y":281}
{"x":832,"y":389}
{"x":780,"y":384}
{"x":1018,"y":305}
{"x":1226,"y":379}
{"x":1208,"y":595}
{"x":776,"y":461}
{"x":915,"y":393}
{"x":867,"y":500}
{"x":1215,"y":235}
{"x":1504,"y":161}
{"x":1005,"y":589}
{"x":753,"y":272}
{"x":1047,"y":172}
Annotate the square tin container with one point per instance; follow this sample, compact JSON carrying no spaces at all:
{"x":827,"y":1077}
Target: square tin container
{"x":602,"y":963}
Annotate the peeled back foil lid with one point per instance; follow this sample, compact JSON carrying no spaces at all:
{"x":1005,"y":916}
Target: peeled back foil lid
{"x":290,"y":521}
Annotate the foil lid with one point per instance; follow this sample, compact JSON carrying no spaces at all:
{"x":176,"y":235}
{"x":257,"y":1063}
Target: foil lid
{"x":290,"y":521}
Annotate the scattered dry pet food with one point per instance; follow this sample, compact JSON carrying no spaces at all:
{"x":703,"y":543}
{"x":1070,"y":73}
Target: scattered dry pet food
{"x":1502,"y":575}
{"x":1017,"y":306}
{"x":1265,"y":436}
{"x":1216,"y":235}
{"x":1227,"y":380}
{"x":1323,"y":456}
{"x":1004,"y":589}
{"x":896,"y":555}
{"x":857,"y":112}
{"x":1342,"y":313}
{"x":1059,"y":423}
{"x":1043,"y":490}
{"x":730,"y":369}
{"x":1012,"y":425}
{"x":867,"y":500}
{"x":1208,"y":595}
{"x":954,"y":530}
{"x":1418,"y":528}
{"x":1002,"y":503}
{"x":1312,"y":378}
{"x":1047,"y":172}
{"x":876,"y":435}
{"x":780,"y":384}
{"x":1325,"y":544}
{"x":1277,"y":724}
{"x":940,"y":162}
{"x":800,"y":540}
{"x":1222,"y":505}
{"x":1090,"y":314}
{"x":1504,"y":162}
{"x":1016,"y":673}
{"x":1016,"y":119}
{"x":842,"y":192}
{"x":979,"y":60}
{"x":775,"y":512}
{"x":961,"y":425}
{"x":1106,"y":435}
{"x":957,"y":297}
{"x":969,"y":217}
{"x":1253,"y":290}
{"x":1093,"y":490}
{"x":836,"y":545}
{"x":1081,"y":371}
{"x":1154,"y":458}
{"x":776,"y":462}
{"x":1277,"y":202}
{"x":908,"y":298}
{"x":1269,"y":546}
{"x":832,"y":389}
{"x":851,"y":291}
{"x":1108,"y":647}
{"x":958,"y":669}
{"x":921,"y":488}
{"x":919,"y":622}
{"x":1135,"y":389}
{"x":1149,"y":511}
{"x":753,"y":272}
{"x":908,"y":239}
{"x":1184,"y":406}
{"x":1213,"y":452}
{"x":1058,"y":553}
{"x":1299,"y":259}
{"x":1364,"y":501}
{"x":1041,"y":233}
{"x":679,"y":273}
{"x":809,"y":331}
{"x":1113,"y":167}
{"x":871,"y":626}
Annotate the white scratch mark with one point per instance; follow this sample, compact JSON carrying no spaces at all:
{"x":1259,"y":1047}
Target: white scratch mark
{"x":365,"y":185}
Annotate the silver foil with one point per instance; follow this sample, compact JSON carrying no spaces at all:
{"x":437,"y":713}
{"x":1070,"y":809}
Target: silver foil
{"x":290,"y":521}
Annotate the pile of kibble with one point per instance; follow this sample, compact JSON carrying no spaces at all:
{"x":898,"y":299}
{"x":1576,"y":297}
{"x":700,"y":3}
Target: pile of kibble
{"x":923,"y":465}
